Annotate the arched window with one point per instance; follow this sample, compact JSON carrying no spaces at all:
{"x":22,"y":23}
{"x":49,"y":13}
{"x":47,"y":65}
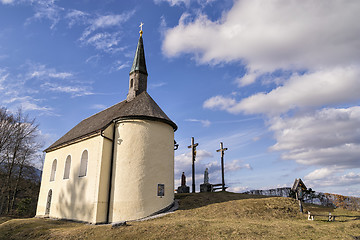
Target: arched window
{"x":53,"y":171}
{"x":67,"y":167}
{"x":131,"y":83}
{"x":83,"y":164}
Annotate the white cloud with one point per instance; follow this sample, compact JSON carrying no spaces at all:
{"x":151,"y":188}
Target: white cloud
{"x":75,"y":91}
{"x":98,"y":106}
{"x":7,"y":1}
{"x":220,"y":102}
{"x":95,"y":34}
{"x":236,"y":165}
{"x":76,"y":17}
{"x":185,"y":158}
{"x":3,"y":76}
{"x":22,"y":89}
{"x":34,"y":107}
{"x":324,"y":138}
{"x":321,"y":174}
{"x":157,"y":85}
{"x":272,"y":34}
{"x":187,"y":3}
{"x":61,"y":75}
{"x":107,"y":42}
{"x":332,"y":177}
{"x":248,"y":78}
{"x":121,"y":66}
{"x":313,"y":89}
{"x":105,"y":21}
{"x":45,"y":9}
{"x":41,"y":71}
{"x":346,"y":155}
{"x":238,"y":189}
{"x":28,"y":103}
{"x":111,"y":20}
{"x":174,"y":2}
{"x":205,"y":123}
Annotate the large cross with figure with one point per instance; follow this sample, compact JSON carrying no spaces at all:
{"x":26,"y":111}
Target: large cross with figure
{"x":193,"y":153}
{"x":222,"y":150}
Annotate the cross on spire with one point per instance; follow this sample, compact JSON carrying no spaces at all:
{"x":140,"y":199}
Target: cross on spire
{"x":140,"y":26}
{"x":222,"y":150}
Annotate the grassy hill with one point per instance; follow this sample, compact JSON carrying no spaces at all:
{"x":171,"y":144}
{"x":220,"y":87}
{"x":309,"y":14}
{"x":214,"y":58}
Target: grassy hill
{"x":203,"y":216}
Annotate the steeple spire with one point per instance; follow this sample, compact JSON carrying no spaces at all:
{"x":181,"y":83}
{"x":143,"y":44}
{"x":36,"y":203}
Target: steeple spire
{"x":139,"y":63}
{"x":138,"y":73}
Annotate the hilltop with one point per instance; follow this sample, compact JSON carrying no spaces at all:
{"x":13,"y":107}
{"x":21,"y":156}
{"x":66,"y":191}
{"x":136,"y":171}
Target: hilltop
{"x":203,"y":216}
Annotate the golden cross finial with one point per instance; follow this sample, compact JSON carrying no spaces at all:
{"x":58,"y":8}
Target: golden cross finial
{"x":141,"y":31}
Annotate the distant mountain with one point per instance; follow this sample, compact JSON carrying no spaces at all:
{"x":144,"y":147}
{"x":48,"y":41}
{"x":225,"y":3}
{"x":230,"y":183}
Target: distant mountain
{"x":30,"y":172}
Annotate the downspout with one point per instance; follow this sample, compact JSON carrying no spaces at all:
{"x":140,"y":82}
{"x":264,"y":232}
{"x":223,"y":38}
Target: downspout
{"x":111,"y":172}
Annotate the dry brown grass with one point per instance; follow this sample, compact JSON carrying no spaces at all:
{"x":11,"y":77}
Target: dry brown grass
{"x":203,"y":216}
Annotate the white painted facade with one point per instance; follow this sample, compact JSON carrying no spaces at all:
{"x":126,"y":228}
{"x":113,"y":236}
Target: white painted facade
{"x":143,"y":158}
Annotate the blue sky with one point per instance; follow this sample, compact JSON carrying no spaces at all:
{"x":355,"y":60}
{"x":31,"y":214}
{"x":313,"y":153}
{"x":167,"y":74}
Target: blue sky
{"x":276,"y":81}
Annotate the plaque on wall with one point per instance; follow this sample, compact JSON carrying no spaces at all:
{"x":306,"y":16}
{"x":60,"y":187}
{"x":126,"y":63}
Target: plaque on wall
{"x":161,"y":190}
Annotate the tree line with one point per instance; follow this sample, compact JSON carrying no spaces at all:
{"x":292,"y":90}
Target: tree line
{"x":19,"y":153}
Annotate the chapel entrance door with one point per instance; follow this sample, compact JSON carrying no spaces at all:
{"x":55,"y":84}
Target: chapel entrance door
{"x":48,"y":203}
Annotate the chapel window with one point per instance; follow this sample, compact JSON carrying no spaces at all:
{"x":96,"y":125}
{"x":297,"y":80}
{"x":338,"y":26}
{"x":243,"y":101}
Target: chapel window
{"x":53,"y":170}
{"x":67,"y":167}
{"x":83,"y":164}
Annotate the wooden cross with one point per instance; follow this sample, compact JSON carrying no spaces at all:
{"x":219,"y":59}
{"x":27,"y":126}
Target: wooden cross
{"x":222,"y":150}
{"x":193,"y":153}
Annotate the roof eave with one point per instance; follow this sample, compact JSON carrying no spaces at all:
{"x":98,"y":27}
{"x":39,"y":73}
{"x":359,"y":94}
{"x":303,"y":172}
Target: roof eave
{"x":143,"y":117}
{"x":73,"y":141}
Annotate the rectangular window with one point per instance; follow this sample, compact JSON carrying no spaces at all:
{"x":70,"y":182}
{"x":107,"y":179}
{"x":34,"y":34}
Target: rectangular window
{"x":161,"y":190}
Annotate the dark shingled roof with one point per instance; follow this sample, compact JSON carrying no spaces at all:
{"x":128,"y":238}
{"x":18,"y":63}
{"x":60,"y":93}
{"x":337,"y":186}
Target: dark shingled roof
{"x":141,"y":107}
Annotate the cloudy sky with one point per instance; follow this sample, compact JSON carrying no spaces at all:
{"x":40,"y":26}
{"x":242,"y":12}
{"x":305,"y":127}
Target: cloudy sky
{"x":277,"y":81}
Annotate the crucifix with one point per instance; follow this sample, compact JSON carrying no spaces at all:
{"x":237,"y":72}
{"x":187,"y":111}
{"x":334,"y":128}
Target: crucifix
{"x":193,"y":151}
{"x":140,"y":26}
{"x":222,"y":150}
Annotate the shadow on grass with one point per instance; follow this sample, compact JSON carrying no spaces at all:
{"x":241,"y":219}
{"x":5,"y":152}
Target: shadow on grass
{"x":196,"y":200}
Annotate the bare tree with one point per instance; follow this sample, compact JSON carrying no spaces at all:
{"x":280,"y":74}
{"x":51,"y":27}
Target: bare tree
{"x":19,"y":147}
{"x":6,"y":129}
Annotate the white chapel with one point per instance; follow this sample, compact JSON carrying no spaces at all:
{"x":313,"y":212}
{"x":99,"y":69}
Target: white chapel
{"x":116,"y":165}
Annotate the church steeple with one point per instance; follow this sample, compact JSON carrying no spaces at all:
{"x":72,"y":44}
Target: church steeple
{"x":138,"y":73}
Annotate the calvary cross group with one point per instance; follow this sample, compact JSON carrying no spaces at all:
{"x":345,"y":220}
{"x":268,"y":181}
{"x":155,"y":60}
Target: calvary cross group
{"x":206,"y":184}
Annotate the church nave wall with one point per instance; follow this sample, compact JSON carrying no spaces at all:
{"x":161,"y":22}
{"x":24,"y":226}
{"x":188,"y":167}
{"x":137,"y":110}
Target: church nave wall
{"x":76,"y":197}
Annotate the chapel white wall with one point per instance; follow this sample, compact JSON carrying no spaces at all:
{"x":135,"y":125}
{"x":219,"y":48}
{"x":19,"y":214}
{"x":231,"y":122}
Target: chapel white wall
{"x":144,"y":158}
{"x":77,"y":198}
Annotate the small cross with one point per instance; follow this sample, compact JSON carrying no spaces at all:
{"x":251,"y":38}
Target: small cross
{"x":141,"y":24}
